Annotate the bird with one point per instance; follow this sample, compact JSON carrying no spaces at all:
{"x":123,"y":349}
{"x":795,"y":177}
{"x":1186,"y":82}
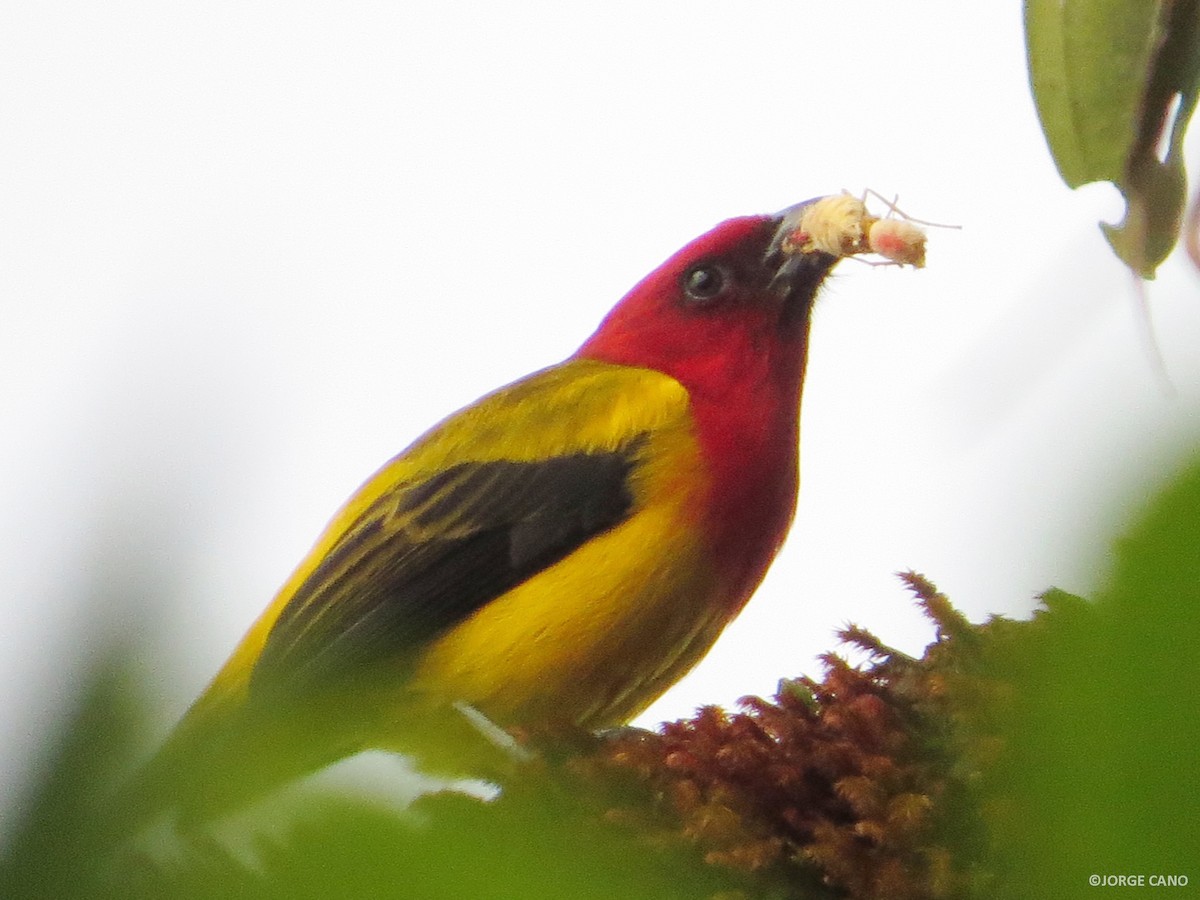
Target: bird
{"x":557,"y":553}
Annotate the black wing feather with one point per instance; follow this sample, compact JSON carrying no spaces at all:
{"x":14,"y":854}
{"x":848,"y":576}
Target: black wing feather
{"x":428,"y":554}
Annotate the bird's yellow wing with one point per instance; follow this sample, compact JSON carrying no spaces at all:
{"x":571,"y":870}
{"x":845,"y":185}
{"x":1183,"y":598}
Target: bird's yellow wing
{"x":428,"y":553}
{"x":482,"y":503}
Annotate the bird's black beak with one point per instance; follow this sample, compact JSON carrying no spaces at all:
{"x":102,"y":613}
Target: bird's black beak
{"x":798,"y":272}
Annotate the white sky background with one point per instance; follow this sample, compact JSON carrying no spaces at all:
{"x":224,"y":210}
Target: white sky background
{"x":250,"y":251}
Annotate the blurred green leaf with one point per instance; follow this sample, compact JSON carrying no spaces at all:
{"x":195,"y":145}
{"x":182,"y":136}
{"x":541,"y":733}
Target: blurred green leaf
{"x":1116,"y":82}
{"x":1086,"y":63}
{"x":1103,"y":757}
{"x":56,"y":846}
{"x":541,"y":839}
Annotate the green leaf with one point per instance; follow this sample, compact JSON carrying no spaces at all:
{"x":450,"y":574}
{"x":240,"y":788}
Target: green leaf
{"x":1115,"y":83}
{"x":1101,"y":759}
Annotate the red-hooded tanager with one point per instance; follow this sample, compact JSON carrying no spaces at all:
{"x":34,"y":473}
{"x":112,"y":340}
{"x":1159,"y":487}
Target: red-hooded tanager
{"x":557,"y":553}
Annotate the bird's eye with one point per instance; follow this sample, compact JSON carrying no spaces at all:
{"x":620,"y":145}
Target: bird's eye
{"x":704,"y":282}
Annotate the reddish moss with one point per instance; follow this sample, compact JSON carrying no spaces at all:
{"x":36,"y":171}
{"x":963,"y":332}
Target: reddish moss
{"x":863,"y":784}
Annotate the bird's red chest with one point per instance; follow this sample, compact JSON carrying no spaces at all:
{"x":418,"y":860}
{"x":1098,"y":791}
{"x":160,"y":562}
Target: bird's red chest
{"x":749,"y":438}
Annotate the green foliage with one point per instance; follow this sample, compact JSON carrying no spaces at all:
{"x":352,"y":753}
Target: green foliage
{"x":1103,"y":757}
{"x":56,"y":846}
{"x":536,"y":841}
{"x":1114,"y":80}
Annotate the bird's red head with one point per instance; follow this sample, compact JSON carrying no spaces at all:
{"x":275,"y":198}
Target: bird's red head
{"x":727,"y":317}
{"x":734,"y":298}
